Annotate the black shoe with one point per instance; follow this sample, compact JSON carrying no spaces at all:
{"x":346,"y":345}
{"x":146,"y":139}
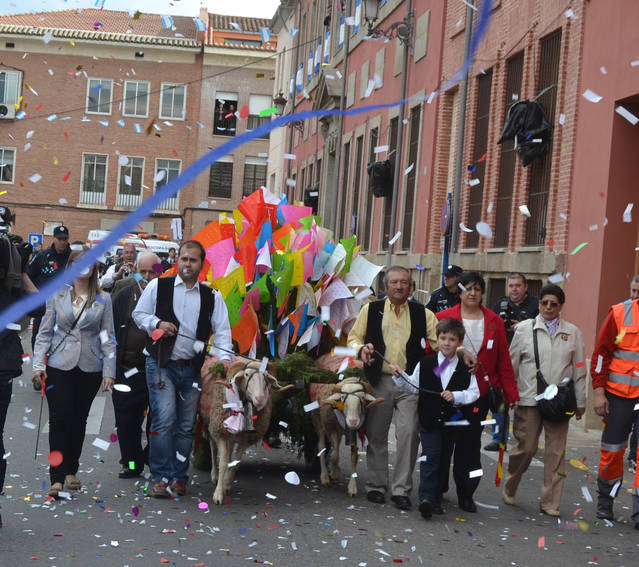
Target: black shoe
{"x":426,"y":509}
{"x":376,"y":496}
{"x":492,"y":446}
{"x":467,"y":504}
{"x":128,"y":473}
{"x":401,"y":502}
{"x":437,"y":508}
{"x":604,"y":509}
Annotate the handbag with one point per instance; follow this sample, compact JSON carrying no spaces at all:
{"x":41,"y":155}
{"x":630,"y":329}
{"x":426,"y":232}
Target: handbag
{"x":563,"y":405}
{"x":495,"y":399}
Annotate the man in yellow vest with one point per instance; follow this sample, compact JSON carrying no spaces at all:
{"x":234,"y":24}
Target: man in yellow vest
{"x":615,"y":379}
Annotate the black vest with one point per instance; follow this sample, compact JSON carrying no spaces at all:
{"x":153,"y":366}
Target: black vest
{"x":161,"y":350}
{"x":433,"y":410}
{"x":414,"y":348}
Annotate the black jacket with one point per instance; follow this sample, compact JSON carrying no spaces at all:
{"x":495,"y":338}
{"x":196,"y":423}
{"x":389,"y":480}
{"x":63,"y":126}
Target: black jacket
{"x":442,"y":299}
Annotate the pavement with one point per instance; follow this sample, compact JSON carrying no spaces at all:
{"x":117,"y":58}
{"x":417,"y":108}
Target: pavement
{"x":271,"y":522}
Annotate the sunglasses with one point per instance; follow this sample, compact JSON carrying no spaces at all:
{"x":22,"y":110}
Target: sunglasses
{"x":549,"y":303}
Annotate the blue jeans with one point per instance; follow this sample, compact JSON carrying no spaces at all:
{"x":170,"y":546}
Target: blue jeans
{"x":173,"y":400}
{"x":498,"y":427}
{"x":429,"y":474}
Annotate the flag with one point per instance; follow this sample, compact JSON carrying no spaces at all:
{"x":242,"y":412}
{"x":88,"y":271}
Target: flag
{"x":266,"y":35}
{"x":167,"y":22}
{"x":299,"y":79}
{"x":318,"y":57}
{"x":358,"y":15}
{"x":309,"y":68}
{"x":200,"y":24}
{"x":293,"y":31}
{"x":327,"y":47}
{"x":235,"y":26}
{"x":341,"y":32}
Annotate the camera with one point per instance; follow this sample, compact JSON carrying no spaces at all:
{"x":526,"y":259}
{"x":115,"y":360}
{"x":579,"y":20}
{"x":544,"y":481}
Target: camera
{"x":506,"y":312}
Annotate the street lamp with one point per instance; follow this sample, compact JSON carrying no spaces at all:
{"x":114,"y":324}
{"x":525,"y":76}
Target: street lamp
{"x":402,"y":30}
{"x":280,"y":103}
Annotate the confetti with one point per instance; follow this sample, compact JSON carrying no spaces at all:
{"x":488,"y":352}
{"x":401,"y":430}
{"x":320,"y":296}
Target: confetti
{"x":124,"y":388}
{"x":130,"y":372}
{"x":394,"y":239}
{"x":586,"y":493}
{"x":629,"y":116}
{"x":55,"y":458}
{"x":35,"y":178}
{"x":627,"y":214}
{"x":523,"y":209}
{"x":292,"y":478}
{"x":312,"y":406}
{"x":578,"y":248}
{"x":101,"y":444}
{"x":591,"y":96}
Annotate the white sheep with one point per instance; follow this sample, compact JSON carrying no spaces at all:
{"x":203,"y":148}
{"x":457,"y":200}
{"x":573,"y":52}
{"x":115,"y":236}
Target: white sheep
{"x":254,"y":390}
{"x":342,"y":412}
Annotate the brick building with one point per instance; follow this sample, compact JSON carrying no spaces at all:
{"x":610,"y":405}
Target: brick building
{"x":373,"y":77}
{"x":107,"y":110}
{"x":104,"y":107}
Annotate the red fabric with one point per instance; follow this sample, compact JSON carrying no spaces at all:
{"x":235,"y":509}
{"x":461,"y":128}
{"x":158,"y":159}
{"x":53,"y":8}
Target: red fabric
{"x":604,"y":347}
{"x":494,"y":362}
{"x":611,"y":464}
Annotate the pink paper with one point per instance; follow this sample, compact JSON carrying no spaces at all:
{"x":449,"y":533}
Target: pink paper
{"x":293,"y":213}
{"x":252,"y":298}
{"x":219,"y":255}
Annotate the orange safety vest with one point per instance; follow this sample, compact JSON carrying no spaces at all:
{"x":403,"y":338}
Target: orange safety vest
{"x":623,"y":373}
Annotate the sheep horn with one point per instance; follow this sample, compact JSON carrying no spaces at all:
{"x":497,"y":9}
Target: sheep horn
{"x":327,"y":402}
{"x":280,"y":389}
{"x":367,"y":387}
{"x":222,"y":382}
{"x":374,"y":402}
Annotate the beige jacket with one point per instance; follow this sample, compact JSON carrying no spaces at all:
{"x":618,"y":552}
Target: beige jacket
{"x":558,"y":358}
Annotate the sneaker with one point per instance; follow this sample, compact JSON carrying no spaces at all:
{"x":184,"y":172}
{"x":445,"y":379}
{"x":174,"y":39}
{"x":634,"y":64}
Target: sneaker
{"x":159,"y":490}
{"x":492,"y":446}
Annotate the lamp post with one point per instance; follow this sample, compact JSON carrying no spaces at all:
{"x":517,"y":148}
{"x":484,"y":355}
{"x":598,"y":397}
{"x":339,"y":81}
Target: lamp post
{"x":404,"y":31}
{"x":280,"y":103}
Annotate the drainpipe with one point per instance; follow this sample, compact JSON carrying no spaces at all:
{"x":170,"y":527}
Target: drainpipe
{"x":290,"y":126}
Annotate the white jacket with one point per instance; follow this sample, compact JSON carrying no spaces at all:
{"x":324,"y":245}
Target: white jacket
{"x":558,"y":358}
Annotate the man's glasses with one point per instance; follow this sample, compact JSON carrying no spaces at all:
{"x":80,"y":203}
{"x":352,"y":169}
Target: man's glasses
{"x":549,"y":303}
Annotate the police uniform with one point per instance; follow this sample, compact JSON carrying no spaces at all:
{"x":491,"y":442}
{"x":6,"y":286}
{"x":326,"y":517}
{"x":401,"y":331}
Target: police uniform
{"x":442,"y":299}
{"x":615,"y":367}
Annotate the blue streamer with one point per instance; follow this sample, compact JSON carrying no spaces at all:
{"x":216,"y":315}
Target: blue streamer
{"x":20,"y":308}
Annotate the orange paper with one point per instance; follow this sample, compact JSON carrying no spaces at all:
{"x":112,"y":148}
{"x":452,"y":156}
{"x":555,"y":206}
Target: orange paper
{"x":245,"y":330}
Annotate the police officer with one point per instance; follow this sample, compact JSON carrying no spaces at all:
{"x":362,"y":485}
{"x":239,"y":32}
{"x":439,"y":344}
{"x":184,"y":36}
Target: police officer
{"x":45,"y":265}
{"x":447,"y":295}
{"x":616,"y":387}
{"x":14,"y":254}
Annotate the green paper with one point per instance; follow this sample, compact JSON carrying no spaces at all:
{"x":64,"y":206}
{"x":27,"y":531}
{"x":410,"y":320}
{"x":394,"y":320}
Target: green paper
{"x":268,"y":111}
{"x":282,"y":281}
{"x":578,"y":248}
{"x":349,"y":246}
{"x":233,"y":304}
{"x":262,"y":285}
{"x":307,"y":221}
{"x":131,"y":465}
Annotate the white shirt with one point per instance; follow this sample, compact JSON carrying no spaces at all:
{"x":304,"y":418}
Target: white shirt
{"x":186,"y":306}
{"x":108,"y":280}
{"x":474,"y":334}
{"x":461,"y":397}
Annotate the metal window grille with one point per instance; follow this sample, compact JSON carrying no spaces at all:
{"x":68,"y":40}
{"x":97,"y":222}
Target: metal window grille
{"x":130,"y":186}
{"x":540,"y":169}
{"x":221,"y":179}
{"x":476,"y":192}
{"x":171,"y":168}
{"x":514,"y":70}
{"x":392,"y":146}
{"x":368,"y":196}
{"x":341,"y":220}
{"x":254,"y":178}
{"x":411,"y":178}
{"x":93,"y":190}
{"x":357,"y":171}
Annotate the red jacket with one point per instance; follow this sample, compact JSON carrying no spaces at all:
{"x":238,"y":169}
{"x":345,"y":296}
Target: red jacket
{"x":493,"y":362}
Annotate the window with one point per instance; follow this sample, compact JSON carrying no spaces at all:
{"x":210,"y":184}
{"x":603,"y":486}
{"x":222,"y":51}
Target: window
{"x":318,"y":172}
{"x":411,"y":178}
{"x":514,"y":71}
{"x":136,"y":98}
{"x":225,"y":121}
{"x":540,"y":169}
{"x":99,"y":93}
{"x":130,"y":182}
{"x":10,"y":83}
{"x":357,"y":172}
{"x":258,"y":103}
{"x":242,"y":42}
{"x":340,"y":225}
{"x":7,"y":164}
{"x":173,"y":101}
{"x":392,"y":152}
{"x":476,"y":195}
{"x":94,"y":175}
{"x":254,"y":174}
{"x":365,"y":231}
{"x":165,"y":171}
{"x":221,"y":178}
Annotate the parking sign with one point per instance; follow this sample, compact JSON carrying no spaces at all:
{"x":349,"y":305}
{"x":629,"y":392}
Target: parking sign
{"x":35,"y":239}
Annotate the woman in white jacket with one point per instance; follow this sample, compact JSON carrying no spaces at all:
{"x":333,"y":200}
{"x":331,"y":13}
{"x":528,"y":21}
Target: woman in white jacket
{"x":561,"y":355}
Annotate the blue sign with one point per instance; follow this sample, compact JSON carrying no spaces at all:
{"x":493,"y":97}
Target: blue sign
{"x":35,"y":239}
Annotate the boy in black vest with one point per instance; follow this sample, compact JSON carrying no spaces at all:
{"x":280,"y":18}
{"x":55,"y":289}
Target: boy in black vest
{"x":447,"y":391}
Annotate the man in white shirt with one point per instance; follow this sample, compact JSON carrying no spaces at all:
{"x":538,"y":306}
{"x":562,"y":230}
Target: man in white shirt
{"x":187,"y":313}
{"x":123,"y":269}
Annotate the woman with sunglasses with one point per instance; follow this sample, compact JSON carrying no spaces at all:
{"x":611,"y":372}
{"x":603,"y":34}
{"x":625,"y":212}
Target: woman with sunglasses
{"x":74,"y":353}
{"x":561,"y":355}
{"x":486,"y":339}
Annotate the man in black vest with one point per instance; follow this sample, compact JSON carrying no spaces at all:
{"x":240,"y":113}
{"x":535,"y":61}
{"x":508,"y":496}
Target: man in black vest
{"x":130,"y":394}
{"x":187,"y":313}
{"x":398,"y":329}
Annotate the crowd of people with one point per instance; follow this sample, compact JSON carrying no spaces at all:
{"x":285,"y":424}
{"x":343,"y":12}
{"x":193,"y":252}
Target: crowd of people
{"x":440,"y":369}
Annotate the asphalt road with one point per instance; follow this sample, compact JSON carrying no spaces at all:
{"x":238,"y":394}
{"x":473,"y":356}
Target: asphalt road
{"x":268,"y":521}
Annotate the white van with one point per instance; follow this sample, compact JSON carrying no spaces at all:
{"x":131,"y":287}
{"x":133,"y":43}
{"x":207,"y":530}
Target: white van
{"x":144,"y":242}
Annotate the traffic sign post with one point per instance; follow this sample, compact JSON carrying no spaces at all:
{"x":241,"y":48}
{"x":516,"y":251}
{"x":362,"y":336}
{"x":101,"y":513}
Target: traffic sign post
{"x":35,"y":239}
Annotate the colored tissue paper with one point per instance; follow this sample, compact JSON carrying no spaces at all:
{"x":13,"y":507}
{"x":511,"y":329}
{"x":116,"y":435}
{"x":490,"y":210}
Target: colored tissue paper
{"x":464,"y":227}
{"x":312,"y":406}
{"x":131,"y":372}
{"x":219,"y":255}
{"x":591,"y":96}
{"x":523,"y":209}
{"x":101,"y":444}
{"x":483,"y":228}
{"x":627,"y":213}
